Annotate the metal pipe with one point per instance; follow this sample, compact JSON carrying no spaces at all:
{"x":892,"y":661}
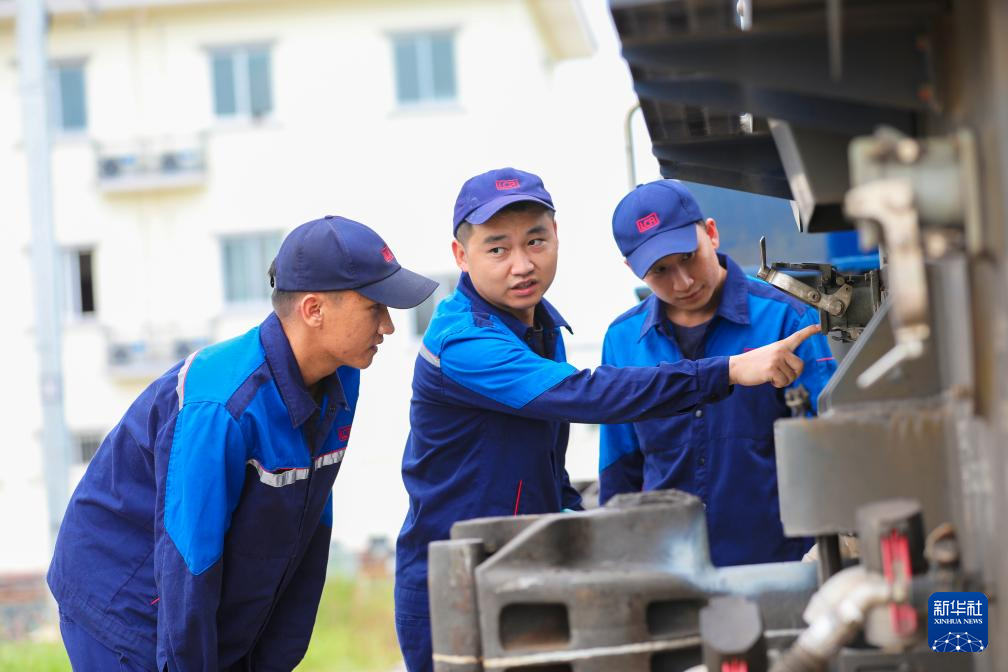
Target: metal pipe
{"x":31,"y":56}
{"x":631,"y":155}
{"x":836,"y":613}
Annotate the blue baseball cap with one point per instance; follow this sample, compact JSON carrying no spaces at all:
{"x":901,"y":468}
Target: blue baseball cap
{"x":483,"y":196}
{"x":335,"y":253}
{"x":653,"y":221}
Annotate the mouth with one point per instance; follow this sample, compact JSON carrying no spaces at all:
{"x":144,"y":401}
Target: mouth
{"x":691,"y":297}
{"x":524,"y":288}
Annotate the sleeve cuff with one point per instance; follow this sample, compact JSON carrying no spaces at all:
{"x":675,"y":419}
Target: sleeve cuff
{"x":712,"y":379}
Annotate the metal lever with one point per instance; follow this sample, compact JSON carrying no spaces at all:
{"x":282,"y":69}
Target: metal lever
{"x":835,"y":304}
{"x":890,"y":203}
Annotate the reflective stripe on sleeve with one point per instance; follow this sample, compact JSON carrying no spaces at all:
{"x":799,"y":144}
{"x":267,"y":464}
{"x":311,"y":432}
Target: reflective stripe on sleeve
{"x":430,"y":356}
{"x":180,"y":388}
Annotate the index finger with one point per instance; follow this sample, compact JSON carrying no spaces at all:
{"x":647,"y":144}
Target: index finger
{"x":797,"y":338}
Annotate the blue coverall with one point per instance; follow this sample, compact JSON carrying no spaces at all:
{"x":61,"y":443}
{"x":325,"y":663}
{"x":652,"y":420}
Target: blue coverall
{"x":724,"y":452}
{"x":489,"y":426}
{"x":198,"y":537}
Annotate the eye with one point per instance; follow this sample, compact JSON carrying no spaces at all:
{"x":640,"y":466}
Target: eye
{"x":496,"y":251}
{"x":657,"y":270}
{"x":686,"y":256}
{"x":537,"y":242}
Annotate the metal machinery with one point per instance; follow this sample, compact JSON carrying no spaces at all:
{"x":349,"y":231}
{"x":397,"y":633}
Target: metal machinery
{"x":890,"y":116}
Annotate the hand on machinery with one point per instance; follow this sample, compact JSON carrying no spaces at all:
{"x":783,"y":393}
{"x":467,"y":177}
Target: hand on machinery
{"x":775,"y":363}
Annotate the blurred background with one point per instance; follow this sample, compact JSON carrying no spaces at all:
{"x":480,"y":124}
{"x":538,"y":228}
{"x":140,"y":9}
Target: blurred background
{"x":187,"y":137}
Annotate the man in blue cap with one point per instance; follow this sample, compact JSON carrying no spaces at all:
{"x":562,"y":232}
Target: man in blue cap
{"x":493,"y":393}
{"x":703,"y":305}
{"x":198,"y":537}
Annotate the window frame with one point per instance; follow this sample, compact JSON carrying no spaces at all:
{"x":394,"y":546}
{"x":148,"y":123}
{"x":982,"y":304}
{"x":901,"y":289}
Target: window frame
{"x":241,"y":81}
{"x":73,"y":308}
{"x":265,"y":237}
{"x":54,"y":95}
{"x":425,"y":83}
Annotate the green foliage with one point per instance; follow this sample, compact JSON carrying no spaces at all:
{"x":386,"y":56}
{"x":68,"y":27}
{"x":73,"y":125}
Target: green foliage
{"x":354,"y":633}
{"x":355,"y":630}
{"x":34,"y":656}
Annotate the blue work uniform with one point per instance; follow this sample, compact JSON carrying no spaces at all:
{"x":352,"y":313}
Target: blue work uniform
{"x":723,"y":452}
{"x":198,"y":538}
{"x":489,"y":426}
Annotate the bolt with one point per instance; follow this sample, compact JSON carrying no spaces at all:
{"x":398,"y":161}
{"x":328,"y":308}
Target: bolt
{"x":835,"y":307}
{"x":812,"y":296}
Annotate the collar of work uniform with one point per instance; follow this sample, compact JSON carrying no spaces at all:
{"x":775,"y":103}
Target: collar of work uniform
{"x":733,"y":306}
{"x":287,"y":375}
{"x":545,"y":314}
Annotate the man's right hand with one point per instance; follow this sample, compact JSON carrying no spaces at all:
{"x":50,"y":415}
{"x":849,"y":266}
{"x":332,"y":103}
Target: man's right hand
{"x":775,"y":363}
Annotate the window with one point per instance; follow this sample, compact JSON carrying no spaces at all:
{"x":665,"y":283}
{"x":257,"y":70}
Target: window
{"x":79,"y":276}
{"x":241,"y":82}
{"x":67,"y":101}
{"x":246,"y":260}
{"x":425,"y":67}
{"x":85,"y":445}
{"x":425,"y":311}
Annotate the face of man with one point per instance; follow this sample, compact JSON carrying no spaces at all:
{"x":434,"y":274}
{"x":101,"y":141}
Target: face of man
{"x":511,"y":259}
{"x":689,"y":284}
{"x":352,"y":327}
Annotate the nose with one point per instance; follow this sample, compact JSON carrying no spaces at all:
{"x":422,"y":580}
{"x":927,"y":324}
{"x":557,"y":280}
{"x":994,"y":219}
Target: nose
{"x":521,"y":263}
{"x":385,"y":326}
{"x":681,"y":281}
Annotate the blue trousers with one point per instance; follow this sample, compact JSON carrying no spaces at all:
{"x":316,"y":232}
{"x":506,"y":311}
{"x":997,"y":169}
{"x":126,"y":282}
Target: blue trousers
{"x":87,"y":654}
{"x":412,"y":622}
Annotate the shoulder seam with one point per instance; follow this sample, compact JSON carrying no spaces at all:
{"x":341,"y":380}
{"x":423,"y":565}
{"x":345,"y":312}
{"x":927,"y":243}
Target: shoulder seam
{"x":233,"y":390}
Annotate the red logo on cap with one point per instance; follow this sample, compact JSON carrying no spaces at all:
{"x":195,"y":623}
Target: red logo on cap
{"x":386,"y":254}
{"x":343,"y":433}
{"x":503,"y":185}
{"x":647,"y":222}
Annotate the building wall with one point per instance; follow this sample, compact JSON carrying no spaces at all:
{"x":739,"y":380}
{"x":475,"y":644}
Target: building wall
{"x":336,"y":143}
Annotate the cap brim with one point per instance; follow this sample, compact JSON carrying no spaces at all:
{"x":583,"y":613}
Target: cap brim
{"x":674,"y":241}
{"x":402,"y":289}
{"x":488,"y":210}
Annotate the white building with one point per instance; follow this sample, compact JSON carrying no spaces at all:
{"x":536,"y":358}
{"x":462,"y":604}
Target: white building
{"x":189,"y":136}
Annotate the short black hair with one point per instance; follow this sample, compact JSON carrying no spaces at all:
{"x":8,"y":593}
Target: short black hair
{"x":465,"y":229}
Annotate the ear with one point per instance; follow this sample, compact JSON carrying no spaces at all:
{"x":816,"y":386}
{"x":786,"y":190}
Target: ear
{"x":310,"y":310}
{"x":459,"y":252}
{"x":710,"y":227}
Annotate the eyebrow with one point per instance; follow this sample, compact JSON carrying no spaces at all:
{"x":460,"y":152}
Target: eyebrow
{"x":538,"y":228}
